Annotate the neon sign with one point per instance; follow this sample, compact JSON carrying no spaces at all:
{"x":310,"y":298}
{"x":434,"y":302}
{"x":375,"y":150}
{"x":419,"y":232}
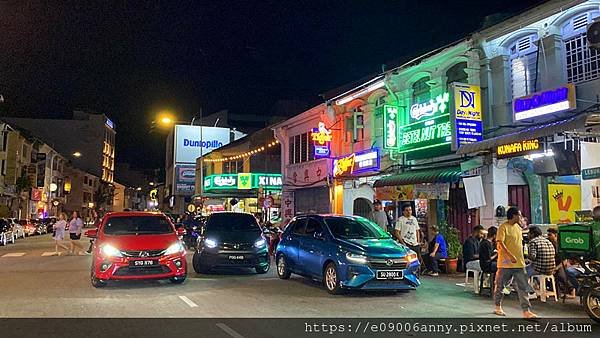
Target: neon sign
{"x":243,"y":181}
{"x":391,"y":120}
{"x":467,"y":118}
{"x":321,"y":137}
{"x":355,"y":163}
{"x":430,"y":108}
{"x":434,"y":132}
{"x":544,"y":103}
{"x":518,"y":148}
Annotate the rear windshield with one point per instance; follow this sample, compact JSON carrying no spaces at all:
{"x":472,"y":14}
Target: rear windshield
{"x":231,"y":222}
{"x":137,"y":225}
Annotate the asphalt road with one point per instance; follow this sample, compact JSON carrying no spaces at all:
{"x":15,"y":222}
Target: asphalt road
{"x":37,"y":286}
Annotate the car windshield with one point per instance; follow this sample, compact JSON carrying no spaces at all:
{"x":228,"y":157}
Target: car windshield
{"x":354,"y":228}
{"x":226,"y":222}
{"x":137,"y":225}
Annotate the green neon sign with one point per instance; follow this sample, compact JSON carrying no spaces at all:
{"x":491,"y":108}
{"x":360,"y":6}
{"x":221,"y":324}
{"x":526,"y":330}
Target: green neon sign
{"x":391,"y":122}
{"x":431,"y":133}
{"x":243,"y":181}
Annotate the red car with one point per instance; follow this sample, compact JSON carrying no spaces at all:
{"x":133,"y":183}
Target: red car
{"x":137,"y":245}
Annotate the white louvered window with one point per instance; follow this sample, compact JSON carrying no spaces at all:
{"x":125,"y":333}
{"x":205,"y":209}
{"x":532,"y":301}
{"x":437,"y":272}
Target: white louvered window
{"x":523,"y":66}
{"x":582,"y":63}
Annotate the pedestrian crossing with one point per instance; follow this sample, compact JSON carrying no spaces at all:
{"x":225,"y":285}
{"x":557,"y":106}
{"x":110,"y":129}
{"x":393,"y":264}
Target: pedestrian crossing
{"x":35,"y":254}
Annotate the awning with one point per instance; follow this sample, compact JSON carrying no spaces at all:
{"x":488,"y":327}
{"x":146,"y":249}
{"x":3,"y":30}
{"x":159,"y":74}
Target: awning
{"x":438,"y":175}
{"x":525,"y":134}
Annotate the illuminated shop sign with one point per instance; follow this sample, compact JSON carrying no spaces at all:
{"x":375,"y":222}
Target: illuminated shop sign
{"x":544,"y":103}
{"x":356,"y":163}
{"x":391,"y":121}
{"x":243,"y":181}
{"x":433,"y":132}
{"x":519,"y":148}
{"x":467,"y":117}
{"x":433,"y":107}
{"x":110,"y":124}
{"x":321,"y":137}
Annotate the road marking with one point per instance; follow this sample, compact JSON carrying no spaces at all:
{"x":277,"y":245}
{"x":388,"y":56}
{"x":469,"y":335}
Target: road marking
{"x":229,"y":330}
{"x":48,"y":253}
{"x":188,"y":301}
{"x":14,"y":254}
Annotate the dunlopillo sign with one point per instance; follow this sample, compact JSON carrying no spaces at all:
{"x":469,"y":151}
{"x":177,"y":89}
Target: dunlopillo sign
{"x":189,"y":146}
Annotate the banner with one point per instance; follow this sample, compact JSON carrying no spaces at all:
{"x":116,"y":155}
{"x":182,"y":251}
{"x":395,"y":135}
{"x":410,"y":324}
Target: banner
{"x":436,"y":191}
{"x":590,"y":183}
{"x":287,"y":206}
{"x":563,"y":200}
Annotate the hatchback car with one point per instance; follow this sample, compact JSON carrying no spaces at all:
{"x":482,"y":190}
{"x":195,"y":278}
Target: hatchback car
{"x":345,"y":252}
{"x":136,"y":245}
{"x":231,"y":239}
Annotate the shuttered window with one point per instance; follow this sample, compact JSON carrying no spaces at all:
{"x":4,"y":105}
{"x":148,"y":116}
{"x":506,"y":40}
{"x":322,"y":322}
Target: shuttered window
{"x":582,"y":64}
{"x":421,"y":90}
{"x":523,"y":66}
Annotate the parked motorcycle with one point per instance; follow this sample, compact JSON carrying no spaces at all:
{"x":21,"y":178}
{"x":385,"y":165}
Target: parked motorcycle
{"x":589,"y":289}
{"x":272,"y":234}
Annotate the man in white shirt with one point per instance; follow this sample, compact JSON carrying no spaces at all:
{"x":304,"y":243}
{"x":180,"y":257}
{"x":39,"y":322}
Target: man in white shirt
{"x":407,"y":230}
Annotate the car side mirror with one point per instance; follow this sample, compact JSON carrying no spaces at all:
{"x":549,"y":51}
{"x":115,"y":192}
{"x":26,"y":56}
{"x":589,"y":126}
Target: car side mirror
{"x":92,"y":233}
{"x":181,"y":231}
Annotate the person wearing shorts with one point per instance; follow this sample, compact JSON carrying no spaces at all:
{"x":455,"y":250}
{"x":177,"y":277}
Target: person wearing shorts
{"x":75,"y":227}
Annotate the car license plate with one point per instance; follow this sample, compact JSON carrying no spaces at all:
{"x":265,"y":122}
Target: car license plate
{"x":236,"y":257}
{"x":390,"y":274}
{"x":144,"y":262}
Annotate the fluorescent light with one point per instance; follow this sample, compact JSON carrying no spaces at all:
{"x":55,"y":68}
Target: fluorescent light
{"x":547,"y":153}
{"x":549,"y":109}
{"x":360,"y":93}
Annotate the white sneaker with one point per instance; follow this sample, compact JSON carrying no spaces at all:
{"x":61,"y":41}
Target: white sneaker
{"x":506,"y":290}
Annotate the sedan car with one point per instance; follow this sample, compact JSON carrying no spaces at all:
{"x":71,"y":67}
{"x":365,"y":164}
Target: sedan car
{"x":345,"y":252}
{"x":136,"y":245}
{"x":231,"y":239}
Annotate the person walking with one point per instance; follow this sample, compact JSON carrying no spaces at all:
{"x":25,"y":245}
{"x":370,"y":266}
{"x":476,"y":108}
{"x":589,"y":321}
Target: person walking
{"x":511,"y":263}
{"x":379,"y":215}
{"x":75,"y":226}
{"x":407,"y":231}
{"x":59,"y":234}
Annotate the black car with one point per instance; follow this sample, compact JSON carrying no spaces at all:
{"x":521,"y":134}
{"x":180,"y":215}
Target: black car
{"x":231,"y":239}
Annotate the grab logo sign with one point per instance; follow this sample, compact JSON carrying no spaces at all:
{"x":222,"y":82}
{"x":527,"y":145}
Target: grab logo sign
{"x":574,"y":240}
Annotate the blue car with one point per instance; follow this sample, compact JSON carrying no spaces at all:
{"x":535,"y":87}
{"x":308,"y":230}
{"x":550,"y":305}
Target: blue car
{"x":345,"y":252}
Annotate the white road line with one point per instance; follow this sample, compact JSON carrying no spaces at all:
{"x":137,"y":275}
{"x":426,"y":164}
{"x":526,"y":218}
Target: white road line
{"x":48,"y":253}
{"x":188,"y":301}
{"x":229,"y":330}
{"x":14,"y":254}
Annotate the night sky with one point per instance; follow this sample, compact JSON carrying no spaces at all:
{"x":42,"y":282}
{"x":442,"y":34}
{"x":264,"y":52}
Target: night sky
{"x":130,"y":59}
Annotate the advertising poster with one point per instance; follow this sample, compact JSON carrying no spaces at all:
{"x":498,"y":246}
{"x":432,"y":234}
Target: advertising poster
{"x":590,"y":175}
{"x":438,"y":191}
{"x":185,"y":179}
{"x":563,"y":200}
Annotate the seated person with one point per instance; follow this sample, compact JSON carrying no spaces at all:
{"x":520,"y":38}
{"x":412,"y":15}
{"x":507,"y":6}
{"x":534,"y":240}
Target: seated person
{"x":487,"y":252}
{"x":471,"y":249}
{"x":541,"y":254}
{"x":437,"y":251}
{"x":574,"y":270}
{"x":560,"y":265}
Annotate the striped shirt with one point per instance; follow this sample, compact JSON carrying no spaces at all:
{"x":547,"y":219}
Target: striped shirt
{"x":541,"y":254}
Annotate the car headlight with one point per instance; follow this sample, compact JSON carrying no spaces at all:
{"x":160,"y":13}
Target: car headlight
{"x":111,"y":251}
{"x":209,"y":243}
{"x":260,"y":243}
{"x":409,"y":258}
{"x":174,"y":248}
{"x":356,"y":258}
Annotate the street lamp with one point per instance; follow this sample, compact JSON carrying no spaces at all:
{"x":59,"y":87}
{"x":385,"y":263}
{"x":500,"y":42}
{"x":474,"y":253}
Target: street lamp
{"x":77,"y":154}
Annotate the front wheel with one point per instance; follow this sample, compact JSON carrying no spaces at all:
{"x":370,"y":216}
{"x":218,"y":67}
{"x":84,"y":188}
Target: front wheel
{"x":282,"y":270}
{"x":332,"y":280}
{"x":263,"y":269}
{"x":591,"y":303}
{"x":197,"y":264}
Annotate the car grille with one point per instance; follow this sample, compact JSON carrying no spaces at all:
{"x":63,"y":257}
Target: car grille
{"x":398,"y":264}
{"x":136,"y":253}
{"x":141,"y":271}
{"x":236,"y":246}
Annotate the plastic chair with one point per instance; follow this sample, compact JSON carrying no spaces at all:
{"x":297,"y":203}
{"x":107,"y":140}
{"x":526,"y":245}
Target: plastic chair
{"x":543,"y":291}
{"x":474,"y":282}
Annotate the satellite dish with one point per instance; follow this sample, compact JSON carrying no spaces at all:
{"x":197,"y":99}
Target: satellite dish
{"x":593,"y":35}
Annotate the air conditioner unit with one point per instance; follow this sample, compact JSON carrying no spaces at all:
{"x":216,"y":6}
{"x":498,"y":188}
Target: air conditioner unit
{"x":593,"y":34}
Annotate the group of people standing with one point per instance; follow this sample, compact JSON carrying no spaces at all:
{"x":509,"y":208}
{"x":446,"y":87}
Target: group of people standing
{"x":407,"y":231}
{"x":73,"y":227}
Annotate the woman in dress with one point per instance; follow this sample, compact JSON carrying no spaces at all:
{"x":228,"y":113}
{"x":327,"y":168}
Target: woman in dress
{"x":59,"y":233}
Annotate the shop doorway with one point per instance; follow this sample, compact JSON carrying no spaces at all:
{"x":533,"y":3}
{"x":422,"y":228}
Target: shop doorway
{"x":459,"y":214}
{"x":362,"y":207}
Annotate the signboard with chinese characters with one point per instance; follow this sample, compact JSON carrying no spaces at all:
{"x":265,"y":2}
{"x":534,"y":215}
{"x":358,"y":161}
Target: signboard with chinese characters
{"x":391,"y":122}
{"x":521,"y":148}
{"x":466,"y":118}
{"x":321,"y":137}
{"x":287,"y":206}
{"x":429,"y":127}
{"x":356,"y":163}
{"x":545,"y":103}
{"x":313,"y":173}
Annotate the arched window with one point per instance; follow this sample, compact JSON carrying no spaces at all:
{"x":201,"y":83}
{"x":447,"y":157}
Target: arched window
{"x":582,"y":63}
{"x":421,"y":90}
{"x":457,"y":73}
{"x":523,"y":65}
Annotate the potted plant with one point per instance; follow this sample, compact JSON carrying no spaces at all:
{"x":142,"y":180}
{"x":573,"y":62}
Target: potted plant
{"x":453,"y":246}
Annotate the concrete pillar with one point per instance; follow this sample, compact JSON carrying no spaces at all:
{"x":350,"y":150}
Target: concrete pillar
{"x":551,"y":62}
{"x":495,"y":187}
